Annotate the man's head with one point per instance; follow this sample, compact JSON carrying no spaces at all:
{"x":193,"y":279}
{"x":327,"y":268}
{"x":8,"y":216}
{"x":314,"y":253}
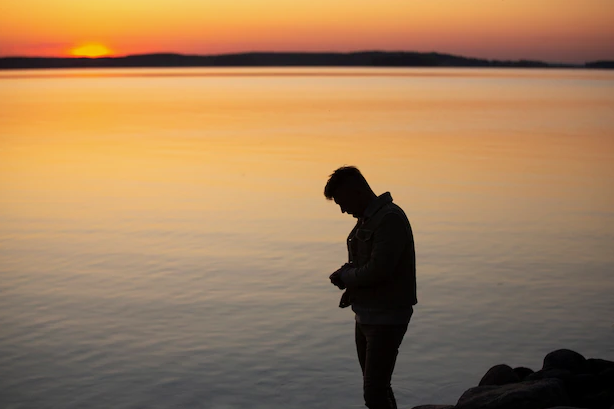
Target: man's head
{"x":350,"y":190}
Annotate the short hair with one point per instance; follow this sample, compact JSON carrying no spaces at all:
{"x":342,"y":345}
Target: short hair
{"x":345,"y":175}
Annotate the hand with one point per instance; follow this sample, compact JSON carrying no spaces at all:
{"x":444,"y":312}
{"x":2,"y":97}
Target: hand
{"x":345,"y":300}
{"x":335,"y":277}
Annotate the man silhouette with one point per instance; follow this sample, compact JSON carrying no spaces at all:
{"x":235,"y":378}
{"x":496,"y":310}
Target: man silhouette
{"x":379,"y":279}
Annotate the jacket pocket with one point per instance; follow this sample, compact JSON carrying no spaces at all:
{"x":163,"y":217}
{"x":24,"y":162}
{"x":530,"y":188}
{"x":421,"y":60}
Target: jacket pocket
{"x":364,"y":245}
{"x":364,"y":234}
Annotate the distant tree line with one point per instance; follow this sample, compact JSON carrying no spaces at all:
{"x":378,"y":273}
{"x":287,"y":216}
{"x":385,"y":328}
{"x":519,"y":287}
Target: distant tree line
{"x":264,"y":59}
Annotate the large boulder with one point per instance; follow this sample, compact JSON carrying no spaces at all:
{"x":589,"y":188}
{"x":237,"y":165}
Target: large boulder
{"x":581,"y":385}
{"x":577,"y":386}
{"x":553,"y":373}
{"x":601,"y":400}
{"x":523,"y":372}
{"x":606,"y":378}
{"x":565,"y":359}
{"x":499,"y":375}
{"x":566,"y":381}
{"x":540,"y":394}
{"x":596,"y":366}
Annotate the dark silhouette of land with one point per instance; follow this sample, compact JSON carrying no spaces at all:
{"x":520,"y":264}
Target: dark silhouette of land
{"x":283,"y":59}
{"x":600,"y":64}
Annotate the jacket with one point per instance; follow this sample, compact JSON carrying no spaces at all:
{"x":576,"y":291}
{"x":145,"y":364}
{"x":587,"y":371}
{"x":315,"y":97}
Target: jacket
{"x":381,"y":273}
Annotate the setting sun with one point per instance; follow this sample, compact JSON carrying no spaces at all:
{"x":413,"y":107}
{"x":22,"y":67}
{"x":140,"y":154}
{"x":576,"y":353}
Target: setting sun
{"x":574,"y":31}
{"x":91,"y":50}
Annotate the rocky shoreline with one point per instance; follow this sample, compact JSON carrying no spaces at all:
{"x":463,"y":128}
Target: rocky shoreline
{"x":567,"y":380}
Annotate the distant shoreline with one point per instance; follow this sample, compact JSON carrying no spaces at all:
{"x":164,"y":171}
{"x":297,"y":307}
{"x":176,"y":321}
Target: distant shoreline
{"x":284,"y":59}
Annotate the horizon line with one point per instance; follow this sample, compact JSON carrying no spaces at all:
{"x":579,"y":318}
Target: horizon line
{"x":608,"y":62}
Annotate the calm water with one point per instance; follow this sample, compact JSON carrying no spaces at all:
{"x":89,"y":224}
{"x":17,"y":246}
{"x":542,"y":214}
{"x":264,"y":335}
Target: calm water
{"x":165,"y":243}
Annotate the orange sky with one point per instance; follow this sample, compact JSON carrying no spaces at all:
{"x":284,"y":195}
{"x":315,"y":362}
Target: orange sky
{"x":550,"y":30}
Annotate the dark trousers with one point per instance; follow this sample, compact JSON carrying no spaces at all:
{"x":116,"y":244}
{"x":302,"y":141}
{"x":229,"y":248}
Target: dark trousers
{"x":378,"y":347}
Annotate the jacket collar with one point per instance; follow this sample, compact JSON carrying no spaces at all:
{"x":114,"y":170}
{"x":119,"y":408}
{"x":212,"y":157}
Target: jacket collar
{"x":376,"y":204}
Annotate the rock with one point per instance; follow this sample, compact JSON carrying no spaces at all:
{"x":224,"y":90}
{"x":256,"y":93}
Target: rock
{"x":583,"y":384}
{"x":499,"y":375}
{"x":523,"y":372}
{"x":606,"y":378}
{"x":540,"y":394}
{"x":433,"y":407}
{"x":561,"y":374}
{"x":566,"y":381}
{"x":598,"y":365}
{"x":601,"y":400}
{"x":565,"y":359}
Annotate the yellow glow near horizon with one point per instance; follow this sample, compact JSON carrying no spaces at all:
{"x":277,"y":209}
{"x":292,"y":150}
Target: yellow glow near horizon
{"x":91,"y":50}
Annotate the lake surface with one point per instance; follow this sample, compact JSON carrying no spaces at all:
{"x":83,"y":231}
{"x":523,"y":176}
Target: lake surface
{"x":165,"y":241}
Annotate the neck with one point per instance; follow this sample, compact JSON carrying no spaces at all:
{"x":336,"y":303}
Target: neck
{"x":366,"y":200}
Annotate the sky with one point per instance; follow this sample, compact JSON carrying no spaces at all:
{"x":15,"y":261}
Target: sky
{"x":570,"y":31}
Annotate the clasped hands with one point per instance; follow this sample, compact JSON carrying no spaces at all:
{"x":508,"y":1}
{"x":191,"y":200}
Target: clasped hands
{"x":336,"y":277}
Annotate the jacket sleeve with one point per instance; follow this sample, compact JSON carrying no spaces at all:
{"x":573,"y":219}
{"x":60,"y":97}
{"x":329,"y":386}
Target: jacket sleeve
{"x":389,"y":241}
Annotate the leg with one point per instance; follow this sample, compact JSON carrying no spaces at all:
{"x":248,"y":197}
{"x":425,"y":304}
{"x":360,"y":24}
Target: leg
{"x":383,"y":343}
{"x":361,"y":347}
